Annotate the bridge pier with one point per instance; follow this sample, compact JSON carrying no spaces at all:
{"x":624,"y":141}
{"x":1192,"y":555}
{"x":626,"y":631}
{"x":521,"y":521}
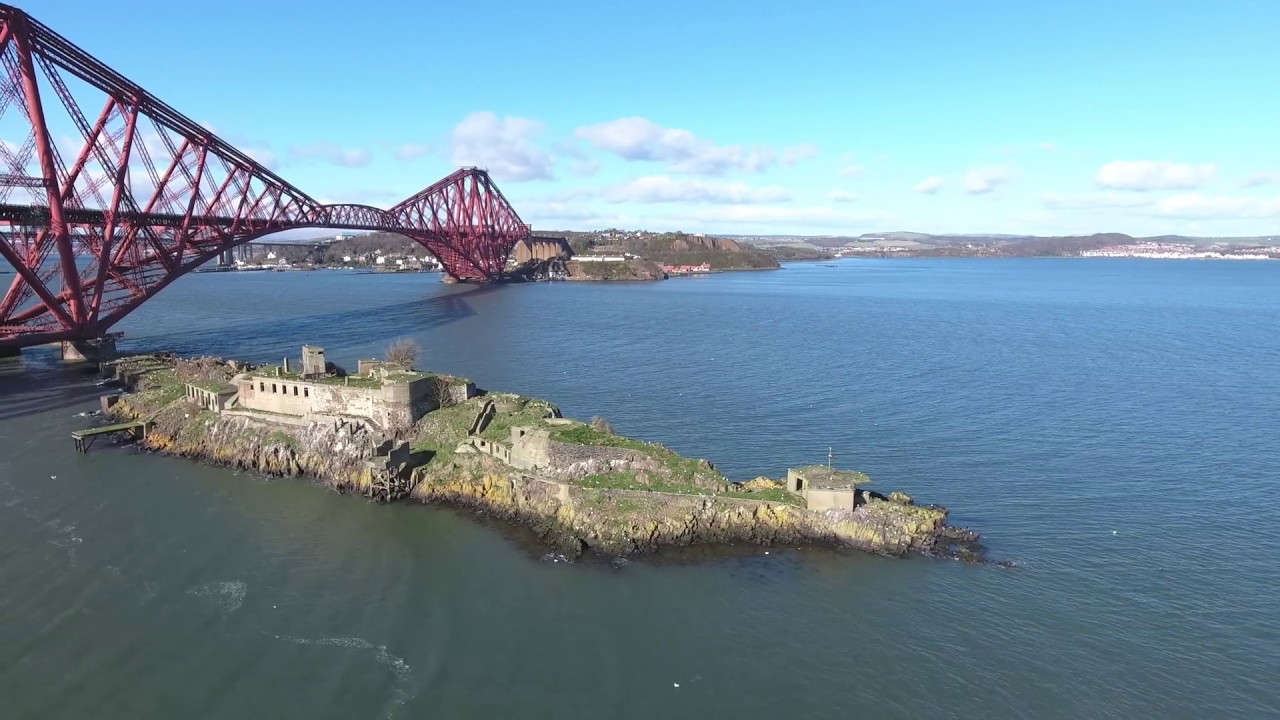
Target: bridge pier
{"x":95,"y":351}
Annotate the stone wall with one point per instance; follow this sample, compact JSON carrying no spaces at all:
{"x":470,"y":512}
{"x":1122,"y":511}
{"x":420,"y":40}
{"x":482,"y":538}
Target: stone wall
{"x":828,"y":499}
{"x":312,"y":361}
{"x":491,"y":448}
{"x":395,"y":405}
{"x":530,"y":448}
{"x":208,"y":399}
{"x":292,"y":397}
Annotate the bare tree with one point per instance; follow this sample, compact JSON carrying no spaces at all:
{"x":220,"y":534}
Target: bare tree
{"x":404,"y":352}
{"x":599,"y":424}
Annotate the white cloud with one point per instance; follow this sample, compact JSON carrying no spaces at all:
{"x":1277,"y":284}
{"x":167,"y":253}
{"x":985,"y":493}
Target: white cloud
{"x":559,"y":210}
{"x":1090,"y":201}
{"x":983,"y":180}
{"x":849,"y":168}
{"x":506,"y":146}
{"x":663,"y":189}
{"x":929,"y":185}
{"x":328,"y":152}
{"x":1143,"y":175}
{"x":796,"y":153}
{"x":795,"y":217}
{"x":155,"y":145}
{"x":1195,"y":205}
{"x":842,"y":196}
{"x":585,"y":167}
{"x":411,"y":151}
{"x":1047,"y":146}
{"x":1261,"y":178}
{"x":710,"y":218}
{"x":263,"y":157}
{"x":637,"y":138}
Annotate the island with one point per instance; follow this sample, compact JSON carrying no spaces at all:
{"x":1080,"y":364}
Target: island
{"x":600,"y":256}
{"x":392,"y":433}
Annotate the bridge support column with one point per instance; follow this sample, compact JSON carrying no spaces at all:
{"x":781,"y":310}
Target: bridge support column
{"x":82,"y":351}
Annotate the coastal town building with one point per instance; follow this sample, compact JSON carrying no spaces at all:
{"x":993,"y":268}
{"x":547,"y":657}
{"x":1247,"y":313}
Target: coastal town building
{"x":687,"y":269}
{"x":1181,"y":251}
{"x":600,"y":258}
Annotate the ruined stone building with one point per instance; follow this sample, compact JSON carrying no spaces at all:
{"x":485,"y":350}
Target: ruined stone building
{"x":388,"y":395}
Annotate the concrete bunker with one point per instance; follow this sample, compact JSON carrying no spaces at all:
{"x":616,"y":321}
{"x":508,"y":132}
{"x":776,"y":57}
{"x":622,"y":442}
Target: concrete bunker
{"x":826,"y":488}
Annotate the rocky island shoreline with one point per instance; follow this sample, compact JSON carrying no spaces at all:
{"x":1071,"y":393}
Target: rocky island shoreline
{"x":389,"y":433}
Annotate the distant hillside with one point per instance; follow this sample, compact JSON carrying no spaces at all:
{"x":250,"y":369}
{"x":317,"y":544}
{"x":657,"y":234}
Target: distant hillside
{"x":1011,"y":242}
{"x":673,"y":248}
{"x":1062,"y":246}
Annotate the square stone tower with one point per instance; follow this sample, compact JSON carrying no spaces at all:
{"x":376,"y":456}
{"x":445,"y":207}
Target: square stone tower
{"x":312,"y":361}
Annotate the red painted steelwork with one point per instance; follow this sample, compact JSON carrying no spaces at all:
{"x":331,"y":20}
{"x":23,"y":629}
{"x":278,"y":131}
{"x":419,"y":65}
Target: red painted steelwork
{"x":150,"y":195}
{"x":465,"y":222}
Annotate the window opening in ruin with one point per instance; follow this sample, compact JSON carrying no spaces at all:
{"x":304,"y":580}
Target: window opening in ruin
{"x":273,"y":387}
{"x":306,"y":392}
{"x":295,"y":391}
{"x":799,"y":484}
{"x":262,"y":387}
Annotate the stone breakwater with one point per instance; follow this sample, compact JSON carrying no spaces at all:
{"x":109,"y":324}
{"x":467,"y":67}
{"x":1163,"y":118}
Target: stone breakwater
{"x":557,"y":502}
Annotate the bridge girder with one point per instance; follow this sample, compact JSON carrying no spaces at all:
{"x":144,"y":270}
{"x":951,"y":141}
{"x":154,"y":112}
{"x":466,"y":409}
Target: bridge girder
{"x":126,"y":201}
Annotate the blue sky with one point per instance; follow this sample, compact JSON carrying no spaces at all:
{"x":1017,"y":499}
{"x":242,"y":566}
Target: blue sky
{"x":740,"y":117}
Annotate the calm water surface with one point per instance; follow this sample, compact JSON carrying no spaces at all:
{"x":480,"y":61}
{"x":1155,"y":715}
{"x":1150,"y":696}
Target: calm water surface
{"x":1110,"y":425}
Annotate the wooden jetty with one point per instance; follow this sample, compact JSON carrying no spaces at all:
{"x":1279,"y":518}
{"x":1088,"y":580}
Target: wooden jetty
{"x":136,"y":429}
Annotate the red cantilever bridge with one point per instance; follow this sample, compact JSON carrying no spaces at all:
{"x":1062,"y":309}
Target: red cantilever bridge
{"x":99,"y":212}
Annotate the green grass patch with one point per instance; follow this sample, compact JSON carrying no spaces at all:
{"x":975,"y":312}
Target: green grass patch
{"x":623,"y":480}
{"x":683,"y":474}
{"x":626,"y":480}
{"x":777,"y":495}
{"x":586,"y":435}
{"x":500,"y":427}
{"x":447,"y":426}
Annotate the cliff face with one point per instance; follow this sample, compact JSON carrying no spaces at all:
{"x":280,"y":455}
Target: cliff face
{"x":335,"y":456}
{"x":628,"y":522}
{"x":687,"y":243}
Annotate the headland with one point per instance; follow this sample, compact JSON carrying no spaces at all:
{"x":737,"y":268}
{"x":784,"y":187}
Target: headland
{"x":391,"y":433}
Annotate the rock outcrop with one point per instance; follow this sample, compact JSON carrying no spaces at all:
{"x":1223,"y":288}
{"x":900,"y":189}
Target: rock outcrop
{"x":622,"y":499}
{"x":628,"y":522}
{"x":630,"y":269}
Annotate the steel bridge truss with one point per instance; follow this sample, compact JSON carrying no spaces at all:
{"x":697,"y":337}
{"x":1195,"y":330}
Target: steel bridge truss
{"x":100,"y":211}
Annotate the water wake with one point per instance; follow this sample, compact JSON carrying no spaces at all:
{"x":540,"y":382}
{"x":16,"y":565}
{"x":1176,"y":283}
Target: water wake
{"x":227,"y":596}
{"x":394,"y":663}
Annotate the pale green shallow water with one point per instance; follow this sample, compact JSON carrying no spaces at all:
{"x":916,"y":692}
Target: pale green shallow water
{"x":1110,"y":425}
